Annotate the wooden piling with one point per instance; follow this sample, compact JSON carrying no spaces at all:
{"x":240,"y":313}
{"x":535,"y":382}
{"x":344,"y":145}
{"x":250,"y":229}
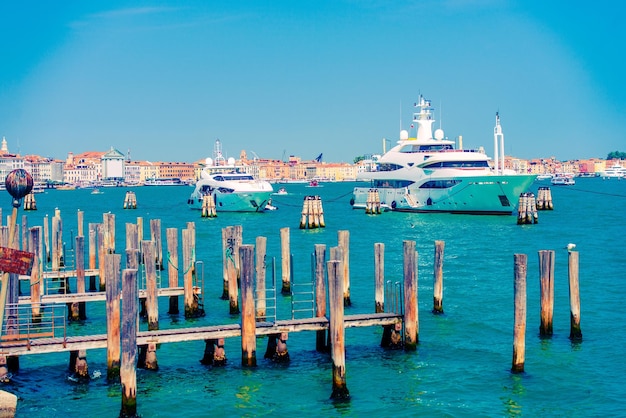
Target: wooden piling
{"x":546,"y":282}
{"x":285,"y":256}
{"x":248,"y":323}
{"x":192,"y":308}
{"x":101,"y":255}
{"x":46,"y":239}
{"x":79,"y":308}
{"x":30,"y":202}
{"x":527,"y":209}
{"x":130,"y":200}
{"x":25,"y":233}
{"x":128,"y":372}
{"x":152,"y":305}
{"x":36,"y":273}
{"x":344,"y":242}
{"x":438,"y":278}
{"x":57,"y":243}
{"x":544,"y":199}
{"x":155,"y":236}
{"x":576,"y":334}
{"x":80,"y":216}
{"x":230,"y":246}
{"x":93,"y":234}
{"x":112,"y":277}
{"x":411,"y":318}
{"x":337,"y":330}
{"x":519,"y":329}
{"x":321,"y":341}
{"x":379,"y":277}
{"x":108,"y":222}
{"x":208,"y":206}
{"x":171,"y":236}
{"x":261,"y":270}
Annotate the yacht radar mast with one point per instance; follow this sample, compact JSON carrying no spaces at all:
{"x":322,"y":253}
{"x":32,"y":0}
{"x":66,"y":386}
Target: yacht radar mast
{"x":498,"y":146}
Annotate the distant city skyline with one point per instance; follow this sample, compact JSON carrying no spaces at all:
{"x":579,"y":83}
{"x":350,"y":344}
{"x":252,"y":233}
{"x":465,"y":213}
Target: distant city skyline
{"x":303,"y":78}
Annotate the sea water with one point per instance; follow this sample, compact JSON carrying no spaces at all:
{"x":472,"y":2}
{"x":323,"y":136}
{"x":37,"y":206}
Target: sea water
{"x":462,"y":365}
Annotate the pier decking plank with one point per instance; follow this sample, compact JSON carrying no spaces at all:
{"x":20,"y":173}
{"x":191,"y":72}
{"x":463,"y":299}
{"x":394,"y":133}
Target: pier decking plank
{"x":59,"y":344}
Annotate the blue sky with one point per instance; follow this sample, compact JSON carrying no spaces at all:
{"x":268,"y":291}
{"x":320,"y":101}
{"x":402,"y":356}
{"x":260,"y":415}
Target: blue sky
{"x":165,"y":79}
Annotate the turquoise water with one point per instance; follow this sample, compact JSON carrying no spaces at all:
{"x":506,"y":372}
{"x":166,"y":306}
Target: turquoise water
{"x":463,"y":360}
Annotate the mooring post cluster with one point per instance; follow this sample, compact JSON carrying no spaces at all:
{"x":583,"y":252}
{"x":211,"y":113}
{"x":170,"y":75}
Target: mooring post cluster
{"x":546,"y":281}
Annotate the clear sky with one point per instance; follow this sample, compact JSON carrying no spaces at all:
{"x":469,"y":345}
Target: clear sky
{"x":165,"y":79}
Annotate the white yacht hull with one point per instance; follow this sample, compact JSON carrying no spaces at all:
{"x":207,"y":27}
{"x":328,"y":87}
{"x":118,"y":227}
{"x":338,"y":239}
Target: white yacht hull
{"x":488,"y":195}
{"x":235,"y":202}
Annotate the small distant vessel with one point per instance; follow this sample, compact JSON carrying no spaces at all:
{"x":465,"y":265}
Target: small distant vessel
{"x":232,"y":189}
{"x":174,"y":181}
{"x":615,"y":171}
{"x":543,"y":177}
{"x":282,"y":191}
{"x":425,"y":172}
{"x":97,"y":191}
{"x":314,"y":183}
{"x":563,"y":179}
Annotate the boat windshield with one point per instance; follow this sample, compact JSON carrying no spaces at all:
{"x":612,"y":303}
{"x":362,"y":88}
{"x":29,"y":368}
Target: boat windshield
{"x":410,"y":148}
{"x":439,"y":184}
{"x":457,"y":164}
{"x":391,"y":184}
{"x":228,"y":178}
{"x":388,"y":167}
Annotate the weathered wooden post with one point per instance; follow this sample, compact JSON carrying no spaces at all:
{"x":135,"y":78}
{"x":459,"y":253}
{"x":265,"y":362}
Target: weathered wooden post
{"x":248,"y":323}
{"x":112,"y":278}
{"x":574,"y":297}
{"x":546,"y":282}
{"x":101,"y":253}
{"x":337,"y":330}
{"x":261,"y":270}
{"x":230,"y":255}
{"x":93,"y":234}
{"x":321,"y":342}
{"x":519,"y":330}
{"x":128,"y":372}
{"x":411,"y":318}
{"x":78,"y":308}
{"x":108,"y":222}
{"x":438,"y":278}
{"x":46,"y":238}
{"x":155,"y":236}
{"x":285,"y":256}
{"x":152,"y":305}
{"x":171,"y":235}
{"x":344,"y":243}
{"x":379,"y":277}
{"x":80,"y":216}
{"x":36,"y":273}
{"x":192,"y":308}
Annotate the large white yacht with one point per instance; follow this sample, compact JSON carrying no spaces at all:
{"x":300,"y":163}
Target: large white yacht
{"x":232,"y":189}
{"x":616,"y":170}
{"x":426,"y":173}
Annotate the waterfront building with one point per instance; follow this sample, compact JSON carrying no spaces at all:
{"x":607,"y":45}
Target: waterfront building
{"x":113,"y":165}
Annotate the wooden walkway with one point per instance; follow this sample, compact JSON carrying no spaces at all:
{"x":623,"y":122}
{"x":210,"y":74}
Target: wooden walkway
{"x":60,"y":344}
{"x":101,"y":296}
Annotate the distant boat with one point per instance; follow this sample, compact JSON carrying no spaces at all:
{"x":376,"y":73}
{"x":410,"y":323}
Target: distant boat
{"x":282,"y":191}
{"x":563,"y":179}
{"x":232,"y":189}
{"x":544,"y":177}
{"x":615,"y":171}
{"x":164,"y":182}
{"x":314,"y":183}
{"x":97,"y":191}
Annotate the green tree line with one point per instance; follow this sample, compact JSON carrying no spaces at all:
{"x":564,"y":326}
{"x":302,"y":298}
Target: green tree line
{"x":616,"y":155}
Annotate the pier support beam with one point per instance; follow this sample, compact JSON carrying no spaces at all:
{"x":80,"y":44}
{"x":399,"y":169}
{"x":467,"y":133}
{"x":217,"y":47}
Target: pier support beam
{"x":546,"y":281}
{"x":248,"y":323}
{"x":411,"y":318}
{"x":519,"y":329}
{"x":337,"y":330}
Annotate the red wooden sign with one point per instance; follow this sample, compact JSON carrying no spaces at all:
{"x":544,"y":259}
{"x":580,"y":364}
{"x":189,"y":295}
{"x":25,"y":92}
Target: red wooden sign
{"x":15,"y":261}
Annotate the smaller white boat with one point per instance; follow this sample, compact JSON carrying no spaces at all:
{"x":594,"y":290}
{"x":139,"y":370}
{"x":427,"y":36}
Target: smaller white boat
{"x":97,"y":191}
{"x":282,"y":191}
{"x":543,"y":177}
{"x":563,"y":179}
{"x":615,"y":171}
